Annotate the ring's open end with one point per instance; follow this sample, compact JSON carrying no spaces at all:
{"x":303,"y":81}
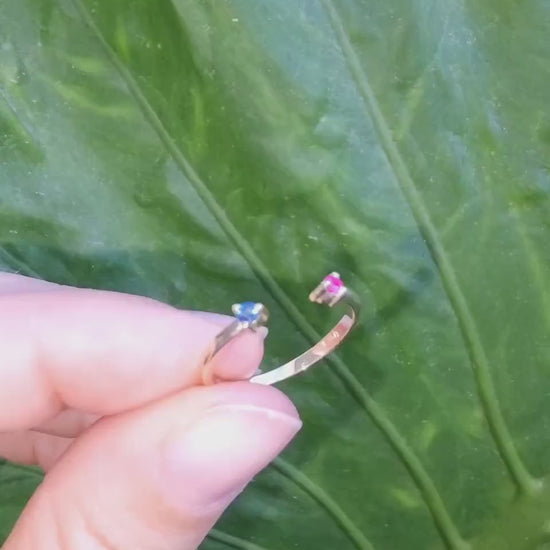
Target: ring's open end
{"x":253,"y":315}
{"x":330,"y":291}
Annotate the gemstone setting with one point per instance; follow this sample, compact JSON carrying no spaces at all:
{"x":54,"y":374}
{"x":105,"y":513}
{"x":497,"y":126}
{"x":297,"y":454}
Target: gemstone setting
{"x":251,"y":313}
{"x":330,"y":290}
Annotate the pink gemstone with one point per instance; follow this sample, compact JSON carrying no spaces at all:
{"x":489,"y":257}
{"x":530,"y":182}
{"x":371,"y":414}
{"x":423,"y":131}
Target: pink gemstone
{"x":335,"y":284}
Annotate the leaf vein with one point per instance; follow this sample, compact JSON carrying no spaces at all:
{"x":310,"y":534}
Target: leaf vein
{"x":325,"y":501}
{"x":466,"y":322}
{"x":232,"y":541}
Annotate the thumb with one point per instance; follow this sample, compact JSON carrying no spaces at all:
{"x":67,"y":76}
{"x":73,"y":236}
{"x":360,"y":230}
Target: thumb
{"x":158,"y":478}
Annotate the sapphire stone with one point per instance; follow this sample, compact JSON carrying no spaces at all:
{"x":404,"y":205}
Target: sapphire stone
{"x":248,"y":312}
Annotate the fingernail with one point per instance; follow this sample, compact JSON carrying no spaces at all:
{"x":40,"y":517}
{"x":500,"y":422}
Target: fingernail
{"x":240,"y":358}
{"x":211,"y":462}
{"x":262,"y":332}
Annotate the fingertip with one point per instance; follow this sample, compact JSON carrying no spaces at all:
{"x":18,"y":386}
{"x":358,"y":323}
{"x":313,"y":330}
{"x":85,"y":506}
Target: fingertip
{"x":238,"y":360}
{"x":244,"y":393}
{"x":207,"y":465}
{"x":238,"y":428}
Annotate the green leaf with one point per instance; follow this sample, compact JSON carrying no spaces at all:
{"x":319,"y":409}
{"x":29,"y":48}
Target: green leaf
{"x":204,"y":152}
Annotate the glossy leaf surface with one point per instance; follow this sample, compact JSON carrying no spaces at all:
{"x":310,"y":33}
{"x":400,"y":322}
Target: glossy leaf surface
{"x":207,"y":152}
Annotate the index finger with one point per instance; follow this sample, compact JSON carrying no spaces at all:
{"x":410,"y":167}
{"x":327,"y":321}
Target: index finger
{"x":103,"y":352}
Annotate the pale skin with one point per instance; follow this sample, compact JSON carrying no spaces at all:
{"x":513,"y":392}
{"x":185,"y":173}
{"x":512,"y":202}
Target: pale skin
{"x":103,"y":391}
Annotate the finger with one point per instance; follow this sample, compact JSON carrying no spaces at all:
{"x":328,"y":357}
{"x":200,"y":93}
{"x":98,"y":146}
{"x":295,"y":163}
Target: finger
{"x":104,"y":352}
{"x":33,"y":448}
{"x":68,"y":423}
{"x":160,"y":476}
{"x":12,"y":283}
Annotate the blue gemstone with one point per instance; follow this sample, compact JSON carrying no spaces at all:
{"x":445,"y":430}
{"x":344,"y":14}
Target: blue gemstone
{"x":248,"y":312}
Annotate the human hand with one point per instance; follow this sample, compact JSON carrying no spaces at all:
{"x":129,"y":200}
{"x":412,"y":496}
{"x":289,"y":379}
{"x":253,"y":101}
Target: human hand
{"x":102,"y":391}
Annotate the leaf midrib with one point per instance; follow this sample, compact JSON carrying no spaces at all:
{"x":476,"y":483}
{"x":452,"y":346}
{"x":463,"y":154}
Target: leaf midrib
{"x":325,"y":501}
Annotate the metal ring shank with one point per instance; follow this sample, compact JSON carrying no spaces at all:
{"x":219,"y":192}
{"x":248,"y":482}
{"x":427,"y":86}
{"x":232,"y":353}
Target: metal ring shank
{"x":222,"y":338}
{"x":319,"y":350}
{"x":227,"y":334}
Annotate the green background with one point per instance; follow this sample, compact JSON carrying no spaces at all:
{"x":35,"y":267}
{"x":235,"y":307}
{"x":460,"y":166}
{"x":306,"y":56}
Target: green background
{"x":203,"y":152}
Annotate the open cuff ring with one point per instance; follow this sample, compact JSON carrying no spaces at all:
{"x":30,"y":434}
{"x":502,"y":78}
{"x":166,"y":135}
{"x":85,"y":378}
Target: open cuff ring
{"x":251,"y":315}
